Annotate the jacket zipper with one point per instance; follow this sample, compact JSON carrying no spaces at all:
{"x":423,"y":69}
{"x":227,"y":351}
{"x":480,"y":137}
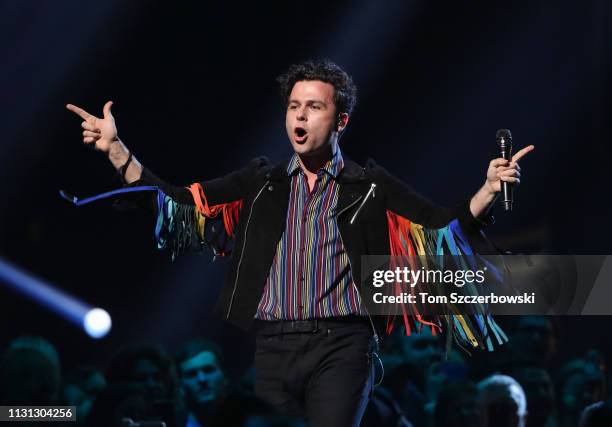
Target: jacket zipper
{"x":349,"y":206}
{"x":365,"y":199}
{"x":246,"y":229}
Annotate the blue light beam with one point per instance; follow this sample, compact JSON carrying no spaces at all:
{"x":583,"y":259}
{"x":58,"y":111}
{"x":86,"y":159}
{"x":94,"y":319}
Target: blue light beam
{"x":96,"y":322}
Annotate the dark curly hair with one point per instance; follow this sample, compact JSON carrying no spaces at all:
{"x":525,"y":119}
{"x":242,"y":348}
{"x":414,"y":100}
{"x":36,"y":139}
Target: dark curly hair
{"x":345,"y":92}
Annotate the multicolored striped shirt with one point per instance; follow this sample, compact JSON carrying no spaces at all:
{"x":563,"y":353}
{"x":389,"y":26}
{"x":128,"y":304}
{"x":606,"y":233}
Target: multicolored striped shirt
{"x":310,"y":276}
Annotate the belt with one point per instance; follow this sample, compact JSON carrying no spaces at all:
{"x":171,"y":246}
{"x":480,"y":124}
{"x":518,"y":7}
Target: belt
{"x":309,"y":326}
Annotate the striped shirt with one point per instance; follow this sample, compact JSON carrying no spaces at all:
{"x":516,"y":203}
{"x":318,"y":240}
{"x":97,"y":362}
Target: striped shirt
{"x":310,"y":276}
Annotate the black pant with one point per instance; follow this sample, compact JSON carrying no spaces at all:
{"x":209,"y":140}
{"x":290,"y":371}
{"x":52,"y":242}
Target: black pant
{"x":321,"y":369}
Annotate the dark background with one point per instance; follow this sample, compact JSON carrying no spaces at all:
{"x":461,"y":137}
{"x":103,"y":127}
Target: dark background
{"x":195,"y":96}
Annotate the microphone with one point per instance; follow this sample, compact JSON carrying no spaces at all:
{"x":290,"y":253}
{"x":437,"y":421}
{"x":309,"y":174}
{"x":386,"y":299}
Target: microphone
{"x":503,"y":137}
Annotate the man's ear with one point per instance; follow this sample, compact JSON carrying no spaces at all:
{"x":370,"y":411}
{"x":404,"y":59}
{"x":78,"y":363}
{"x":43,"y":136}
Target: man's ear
{"x":343,"y":119}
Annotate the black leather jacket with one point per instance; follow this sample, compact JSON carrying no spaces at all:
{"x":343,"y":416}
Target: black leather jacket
{"x":365,"y":195}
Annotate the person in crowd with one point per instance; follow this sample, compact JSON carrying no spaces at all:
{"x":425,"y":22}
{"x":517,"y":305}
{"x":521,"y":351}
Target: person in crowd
{"x":40,"y":344}
{"x":540,"y":392}
{"x":533,"y":340}
{"x":424,"y":368}
{"x":598,"y":414}
{"x":80,"y":388}
{"x":203,"y":379}
{"x":580,"y":384}
{"x":456,"y":405}
{"x":30,"y":372}
{"x":142,"y":385}
{"x":501,"y":402}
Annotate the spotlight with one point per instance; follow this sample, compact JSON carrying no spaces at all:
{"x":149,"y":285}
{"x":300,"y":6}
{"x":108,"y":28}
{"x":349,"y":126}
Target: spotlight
{"x":97,"y":323}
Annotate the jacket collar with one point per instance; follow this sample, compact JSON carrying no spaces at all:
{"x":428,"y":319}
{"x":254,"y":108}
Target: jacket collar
{"x":352,"y":172}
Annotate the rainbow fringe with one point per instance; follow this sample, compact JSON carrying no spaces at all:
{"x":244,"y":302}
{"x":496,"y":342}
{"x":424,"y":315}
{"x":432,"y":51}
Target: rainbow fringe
{"x":415,"y":244}
{"x":181,"y":227}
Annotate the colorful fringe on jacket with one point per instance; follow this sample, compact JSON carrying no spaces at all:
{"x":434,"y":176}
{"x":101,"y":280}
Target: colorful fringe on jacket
{"x":182,"y":227}
{"x":415,"y":245}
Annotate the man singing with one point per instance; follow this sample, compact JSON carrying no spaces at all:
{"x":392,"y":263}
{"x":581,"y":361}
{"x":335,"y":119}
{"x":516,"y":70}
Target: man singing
{"x":297,"y":231}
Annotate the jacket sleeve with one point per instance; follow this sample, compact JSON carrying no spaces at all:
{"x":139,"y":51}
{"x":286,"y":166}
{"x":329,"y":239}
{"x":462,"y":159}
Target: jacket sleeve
{"x":403,"y":200}
{"x":202,"y":215}
{"x":421,"y":230}
{"x":230,"y":187}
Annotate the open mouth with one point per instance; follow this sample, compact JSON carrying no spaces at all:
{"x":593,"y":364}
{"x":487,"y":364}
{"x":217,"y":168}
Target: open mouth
{"x":300,"y":134}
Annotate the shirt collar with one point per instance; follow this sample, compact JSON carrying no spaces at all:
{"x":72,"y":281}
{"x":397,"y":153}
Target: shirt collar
{"x":333,"y":166}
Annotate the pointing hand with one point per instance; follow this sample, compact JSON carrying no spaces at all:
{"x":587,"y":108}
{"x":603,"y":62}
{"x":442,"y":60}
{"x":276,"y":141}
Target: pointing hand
{"x":98,"y":132}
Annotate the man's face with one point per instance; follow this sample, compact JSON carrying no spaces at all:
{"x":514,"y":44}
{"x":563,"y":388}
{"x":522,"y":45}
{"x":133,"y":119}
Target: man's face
{"x":202,"y":378}
{"x":311,"y":118}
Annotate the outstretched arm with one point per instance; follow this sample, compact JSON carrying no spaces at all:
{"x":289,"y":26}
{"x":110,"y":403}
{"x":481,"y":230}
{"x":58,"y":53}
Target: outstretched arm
{"x":182,"y":212}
